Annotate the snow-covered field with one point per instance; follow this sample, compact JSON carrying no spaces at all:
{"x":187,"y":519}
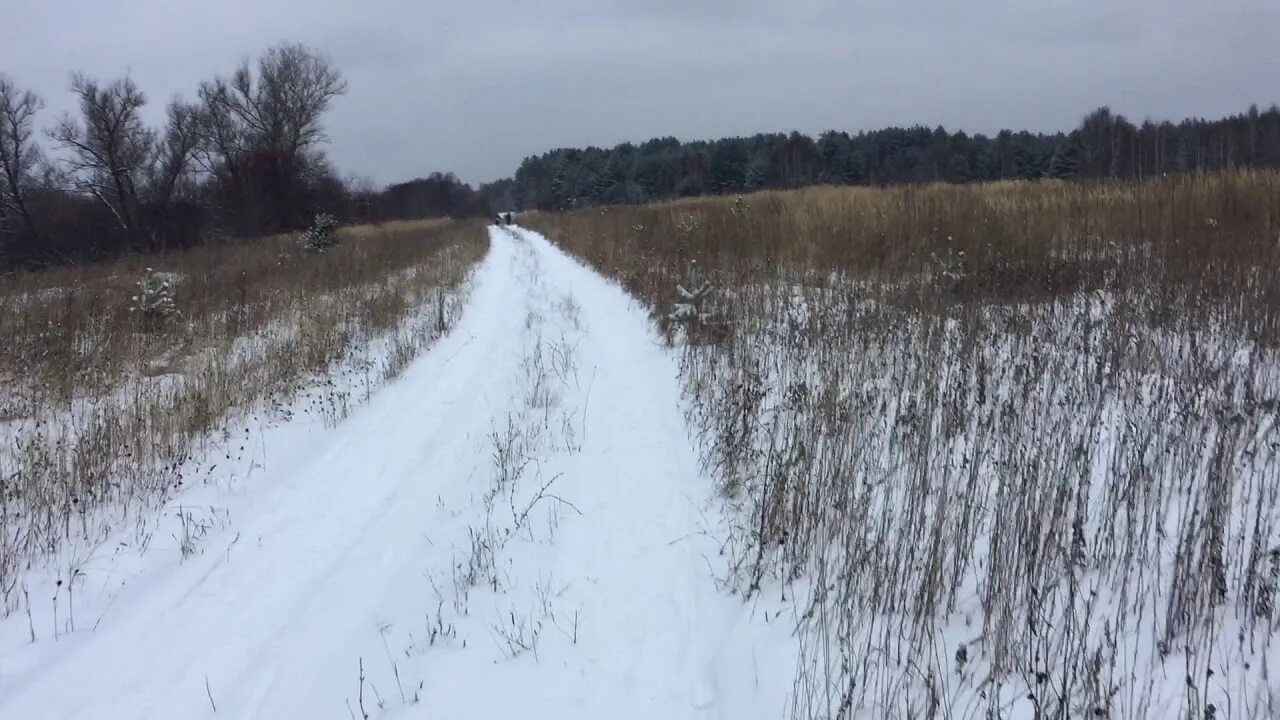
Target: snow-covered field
{"x":106,"y":414}
{"x":517,"y":526}
{"x":1045,"y":509}
{"x":1038,"y":481}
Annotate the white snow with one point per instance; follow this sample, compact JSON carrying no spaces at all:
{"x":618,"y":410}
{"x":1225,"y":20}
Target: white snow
{"x":518,"y":526}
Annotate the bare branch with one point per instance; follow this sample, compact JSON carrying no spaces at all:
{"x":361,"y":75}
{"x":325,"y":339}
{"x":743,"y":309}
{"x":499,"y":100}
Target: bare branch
{"x":19,"y":154}
{"x":109,"y":147}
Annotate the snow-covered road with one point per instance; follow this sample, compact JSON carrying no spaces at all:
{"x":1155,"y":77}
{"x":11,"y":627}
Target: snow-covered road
{"x":517,"y":527}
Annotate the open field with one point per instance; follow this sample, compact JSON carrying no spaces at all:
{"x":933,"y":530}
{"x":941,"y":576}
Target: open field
{"x":102,"y":406}
{"x":1001,"y":451}
{"x":1009,"y":450}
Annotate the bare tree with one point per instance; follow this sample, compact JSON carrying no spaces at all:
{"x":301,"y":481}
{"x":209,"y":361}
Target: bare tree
{"x":259,"y":127}
{"x":19,"y":153}
{"x":174,"y":150}
{"x":109,"y":148}
{"x":223,"y":138}
{"x":169,"y":186}
{"x":294,"y":87}
{"x":222,"y":150}
{"x":363,"y":192}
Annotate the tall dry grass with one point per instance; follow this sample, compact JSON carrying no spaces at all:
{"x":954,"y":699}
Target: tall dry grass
{"x":100,"y":408}
{"x":1011,"y":448}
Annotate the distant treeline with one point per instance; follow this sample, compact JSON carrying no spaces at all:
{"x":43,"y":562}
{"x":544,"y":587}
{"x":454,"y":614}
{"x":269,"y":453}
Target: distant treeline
{"x":244,"y":158}
{"x":1105,"y":146}
{"x":437,"y":195}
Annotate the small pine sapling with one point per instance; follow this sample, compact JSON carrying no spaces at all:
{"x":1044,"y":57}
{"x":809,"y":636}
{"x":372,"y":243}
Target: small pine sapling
{"x":694,"y":309}
{"x":322,"y":235}
{"x":153,"y":301}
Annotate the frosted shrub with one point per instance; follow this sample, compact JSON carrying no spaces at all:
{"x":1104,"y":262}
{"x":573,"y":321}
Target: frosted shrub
{"x":153,"y":301}
{"x":688,"y":225}
{"x":951,"y":265}
{"x":694,"y":308}
{"x":322,"y":235}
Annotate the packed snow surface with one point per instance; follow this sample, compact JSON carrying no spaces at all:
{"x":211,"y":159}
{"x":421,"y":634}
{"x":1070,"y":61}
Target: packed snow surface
{"x":517,"y":527}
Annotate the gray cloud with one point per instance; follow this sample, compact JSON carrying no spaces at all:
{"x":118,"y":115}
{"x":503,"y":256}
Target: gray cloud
{"x":475,"y":87}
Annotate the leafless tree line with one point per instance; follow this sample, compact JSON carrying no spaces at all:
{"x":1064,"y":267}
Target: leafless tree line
{"x":243,"y":158}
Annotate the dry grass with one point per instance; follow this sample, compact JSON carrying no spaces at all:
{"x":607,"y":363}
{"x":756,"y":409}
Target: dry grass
{"x":101,"y":409}
{"x":1011,"y":448}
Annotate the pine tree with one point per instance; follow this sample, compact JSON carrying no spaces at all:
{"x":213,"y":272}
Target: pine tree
{"x":1065,"y":162}
{"x":757,"y":174}
{"x":1025,"y":162}
{"x":322,"y":235}
{"x":728,"y":166}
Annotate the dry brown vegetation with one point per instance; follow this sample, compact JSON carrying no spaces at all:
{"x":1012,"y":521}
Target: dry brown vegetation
{"x":102,"y":407}
{"x":1010,"y":448}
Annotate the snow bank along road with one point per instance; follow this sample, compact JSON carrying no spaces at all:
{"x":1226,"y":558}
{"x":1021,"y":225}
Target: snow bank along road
{"x":515,"y":528}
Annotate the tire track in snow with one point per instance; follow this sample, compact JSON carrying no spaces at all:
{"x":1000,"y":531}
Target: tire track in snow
{"x":343,"y":558}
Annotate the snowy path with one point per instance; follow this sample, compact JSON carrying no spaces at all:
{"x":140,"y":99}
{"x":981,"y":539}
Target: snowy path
{"x":513,"y":528}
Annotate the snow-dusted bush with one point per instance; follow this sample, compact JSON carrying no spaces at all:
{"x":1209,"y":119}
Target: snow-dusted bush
{"x":153,"y":301}
{"x":322,"y":235}
{"x":694,"y":308}
{"x":950,"y":265}
{"x":687,"y":225}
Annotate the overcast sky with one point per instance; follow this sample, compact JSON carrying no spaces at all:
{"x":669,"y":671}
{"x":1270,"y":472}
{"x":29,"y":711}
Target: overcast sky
{"x":474,"y":87}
